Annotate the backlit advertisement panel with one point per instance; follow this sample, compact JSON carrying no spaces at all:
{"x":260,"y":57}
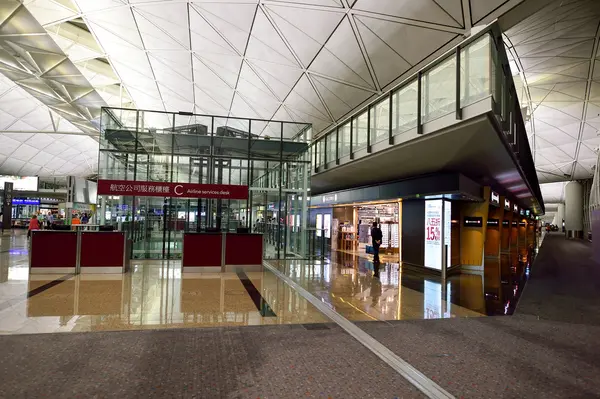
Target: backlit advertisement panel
{"x":448,"y":231}
{"x":20,"y":183}
{"x":433,"y":234}
{"x":319,"y":224}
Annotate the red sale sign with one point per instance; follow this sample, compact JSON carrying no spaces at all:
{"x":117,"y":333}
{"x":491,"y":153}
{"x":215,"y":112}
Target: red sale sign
{"x":164,"y":189}
{"x":433,"y":228}
{"x":433,"y":234}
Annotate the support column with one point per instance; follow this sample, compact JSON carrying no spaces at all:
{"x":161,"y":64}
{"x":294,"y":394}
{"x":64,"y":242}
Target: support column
{"x":560,"y":217}
{"x":574,"y":210}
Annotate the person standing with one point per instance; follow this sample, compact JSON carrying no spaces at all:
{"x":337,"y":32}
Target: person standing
{"x":49,"y":220}
{"x":376,"y":236}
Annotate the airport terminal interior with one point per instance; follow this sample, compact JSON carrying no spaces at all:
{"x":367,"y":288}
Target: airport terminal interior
{"x":299,"y":198}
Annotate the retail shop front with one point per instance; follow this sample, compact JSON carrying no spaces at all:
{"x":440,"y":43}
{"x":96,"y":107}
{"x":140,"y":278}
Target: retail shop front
{"x":418,"y":218}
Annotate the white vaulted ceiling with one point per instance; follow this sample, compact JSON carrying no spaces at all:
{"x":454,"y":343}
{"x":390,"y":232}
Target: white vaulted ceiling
{"x":556,"y":51}
{"x":309,"y":61}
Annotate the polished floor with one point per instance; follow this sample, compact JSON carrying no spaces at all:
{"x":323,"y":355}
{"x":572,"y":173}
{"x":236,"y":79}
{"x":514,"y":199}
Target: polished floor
{"x":157,"y":295}
{"x":547,"y":349}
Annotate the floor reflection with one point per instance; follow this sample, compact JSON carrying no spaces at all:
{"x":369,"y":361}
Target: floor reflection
{"x":505,"y":278}
{"x":361,"y":290}
{"x":150,"y":296}
{"x":155,"y":294}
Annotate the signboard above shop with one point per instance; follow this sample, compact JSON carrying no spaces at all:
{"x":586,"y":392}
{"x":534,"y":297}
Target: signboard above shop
{"x":20,"y":183}
{"x":164,"y":189}
{"x":515,"y":208}
{"x":326,"y":199}
{"x":507,"y":204}
{"x":493,"y":222}
{"x":494,"y":198}
{"x":473,"y":221}
{"x":26,"y":201}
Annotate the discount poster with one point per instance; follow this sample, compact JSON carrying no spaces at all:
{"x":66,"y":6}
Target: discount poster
{"x":433,"y":234}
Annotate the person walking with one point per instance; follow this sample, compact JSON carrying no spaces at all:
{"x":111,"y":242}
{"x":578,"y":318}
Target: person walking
{"x":34,"y":224}
{"x":376,"y":236}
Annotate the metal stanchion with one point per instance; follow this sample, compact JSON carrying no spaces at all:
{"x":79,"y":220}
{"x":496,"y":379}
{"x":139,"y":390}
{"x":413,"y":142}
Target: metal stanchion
{"x":78,"y":257}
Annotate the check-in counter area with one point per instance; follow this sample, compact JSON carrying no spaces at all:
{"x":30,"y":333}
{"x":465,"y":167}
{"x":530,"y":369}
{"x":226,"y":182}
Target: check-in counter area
{"x":216,"y":252}
{"x":74,"y":252}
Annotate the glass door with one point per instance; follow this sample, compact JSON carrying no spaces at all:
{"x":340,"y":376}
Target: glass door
{"x":150,"y":222}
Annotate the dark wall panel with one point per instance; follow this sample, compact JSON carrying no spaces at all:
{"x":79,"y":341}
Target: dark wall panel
{"x":413,"y":232}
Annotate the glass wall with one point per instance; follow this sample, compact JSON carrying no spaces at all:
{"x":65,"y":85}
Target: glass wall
{"x":433,"y":93}
{"x":380,"y":121}
{"x":271,"y":158}
{"x":399,"y":111}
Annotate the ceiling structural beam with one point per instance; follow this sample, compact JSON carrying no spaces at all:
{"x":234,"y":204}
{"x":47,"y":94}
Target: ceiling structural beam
{"x":187,"y":9}
{"x":405,"y":21}
{"x":363,"y":49}
{"x":287,"y":44}
{"x":54,"y":126}
{"x":304,"y":6}
{"x":334,"y":79}
{"x":53,"y":132}
{"x":588,"y":90}
{"x":148,"y":58}
{"x":466,"y":9}
{"x":298,"y":60}
{"x":237,"y":81}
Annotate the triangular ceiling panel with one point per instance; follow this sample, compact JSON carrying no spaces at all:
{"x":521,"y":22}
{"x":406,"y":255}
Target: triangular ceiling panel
{"x":327,"y":3}
{"x":304,"y":99}
{"x":422,"y":10}
{"x":401,"y":38}
{"x":163,"y":26}
{"x":387,"y":63}
{"x":255,"y":90}
{"x":226,"y":66}
{"x":233,"y":21}
{"x":47,"y":11}
{"x":280,"y":79}
{"x":265,"y":44}
{"x":342,"y":58}
{"x":205,"y":38}
{"x":482,"y":8}
{"x":338,"y":97}
{"x":306,"y":30}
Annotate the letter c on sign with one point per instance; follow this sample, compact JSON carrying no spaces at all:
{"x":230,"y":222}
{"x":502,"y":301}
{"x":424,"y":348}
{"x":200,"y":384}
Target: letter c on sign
{"x":179,"y":189}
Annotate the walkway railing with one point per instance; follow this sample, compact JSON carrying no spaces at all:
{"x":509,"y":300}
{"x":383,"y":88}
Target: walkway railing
{"x":475,"y":70}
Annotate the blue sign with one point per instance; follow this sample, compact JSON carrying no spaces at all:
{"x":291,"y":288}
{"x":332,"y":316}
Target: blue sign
{"x":25,"y":201}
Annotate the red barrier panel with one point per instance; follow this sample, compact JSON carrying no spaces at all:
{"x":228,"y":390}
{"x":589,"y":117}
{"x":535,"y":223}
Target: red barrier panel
{"x":202,"y":250}
{"x":100,"y":249}
{"x":243,"y":249}
{"x":53,"y":251}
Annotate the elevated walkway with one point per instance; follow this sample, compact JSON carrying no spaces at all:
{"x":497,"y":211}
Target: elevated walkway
{"x":459,"y":115}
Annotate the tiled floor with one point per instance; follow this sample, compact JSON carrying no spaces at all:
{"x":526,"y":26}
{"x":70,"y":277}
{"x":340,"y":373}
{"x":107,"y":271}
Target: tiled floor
{"x":156,"y":294}
{"x":349,"y":285}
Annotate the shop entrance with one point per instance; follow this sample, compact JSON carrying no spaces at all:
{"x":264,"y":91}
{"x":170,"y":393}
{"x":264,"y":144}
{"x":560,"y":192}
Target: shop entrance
{"x":350,"y":228}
